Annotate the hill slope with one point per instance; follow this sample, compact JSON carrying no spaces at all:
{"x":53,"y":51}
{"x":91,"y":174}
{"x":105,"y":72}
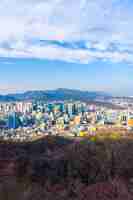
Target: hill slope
{"x":53,"y":95}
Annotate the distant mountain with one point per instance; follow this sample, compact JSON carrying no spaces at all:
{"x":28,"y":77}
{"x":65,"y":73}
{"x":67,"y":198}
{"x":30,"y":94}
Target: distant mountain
{"x":53,"y":95}
{"x":7,"y":98}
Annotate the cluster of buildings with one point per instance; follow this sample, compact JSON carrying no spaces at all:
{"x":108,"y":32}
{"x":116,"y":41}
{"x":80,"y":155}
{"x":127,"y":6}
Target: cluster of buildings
{"x":28,"y":120}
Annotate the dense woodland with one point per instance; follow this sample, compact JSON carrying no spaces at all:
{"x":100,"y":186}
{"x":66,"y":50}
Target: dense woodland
{"x":58,"y":168}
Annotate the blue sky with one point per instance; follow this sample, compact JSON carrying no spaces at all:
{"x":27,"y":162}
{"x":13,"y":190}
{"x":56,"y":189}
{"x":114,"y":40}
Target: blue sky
{"x":26,"y":74}
{"x":85,"y":44}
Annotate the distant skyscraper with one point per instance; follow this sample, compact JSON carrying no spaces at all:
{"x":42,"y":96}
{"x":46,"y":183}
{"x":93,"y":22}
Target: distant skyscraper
{"x":70,"y":109}
{"x":13,"y":121}
{"x":130,"y":121}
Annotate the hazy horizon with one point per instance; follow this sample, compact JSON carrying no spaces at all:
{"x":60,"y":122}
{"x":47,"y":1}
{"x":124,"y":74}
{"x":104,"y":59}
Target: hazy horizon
{"x":4,"y":93}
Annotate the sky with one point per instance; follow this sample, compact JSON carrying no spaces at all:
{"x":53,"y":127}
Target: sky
{"x":83,"y":44}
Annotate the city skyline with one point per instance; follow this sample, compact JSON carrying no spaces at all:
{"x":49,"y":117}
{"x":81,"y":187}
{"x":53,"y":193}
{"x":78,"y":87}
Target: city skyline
{"x":42,"y":47}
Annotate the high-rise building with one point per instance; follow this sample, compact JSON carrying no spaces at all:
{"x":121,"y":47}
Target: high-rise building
{"x":13,"y":121}
{"x":130,"y":121}
{"x":70,"y":109}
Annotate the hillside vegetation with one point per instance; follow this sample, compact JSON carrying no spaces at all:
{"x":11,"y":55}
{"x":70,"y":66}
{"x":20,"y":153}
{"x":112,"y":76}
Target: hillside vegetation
{"x":59,"y":168}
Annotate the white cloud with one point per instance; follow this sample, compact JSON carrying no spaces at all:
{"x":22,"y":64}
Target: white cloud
{"x":53,"y":52}
{"x":99,"y":23}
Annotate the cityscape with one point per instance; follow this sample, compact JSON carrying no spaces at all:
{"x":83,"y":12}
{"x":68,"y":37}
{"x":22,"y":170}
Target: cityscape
{"x":29,"y":120}
{"x":66,"y":99}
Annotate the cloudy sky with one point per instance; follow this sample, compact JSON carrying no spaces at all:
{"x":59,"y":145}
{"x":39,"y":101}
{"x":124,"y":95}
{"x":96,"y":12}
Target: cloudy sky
{"x":86,"y":44}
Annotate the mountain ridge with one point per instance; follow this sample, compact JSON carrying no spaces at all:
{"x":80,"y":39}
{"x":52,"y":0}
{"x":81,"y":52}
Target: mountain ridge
{"x":56,"y":94}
